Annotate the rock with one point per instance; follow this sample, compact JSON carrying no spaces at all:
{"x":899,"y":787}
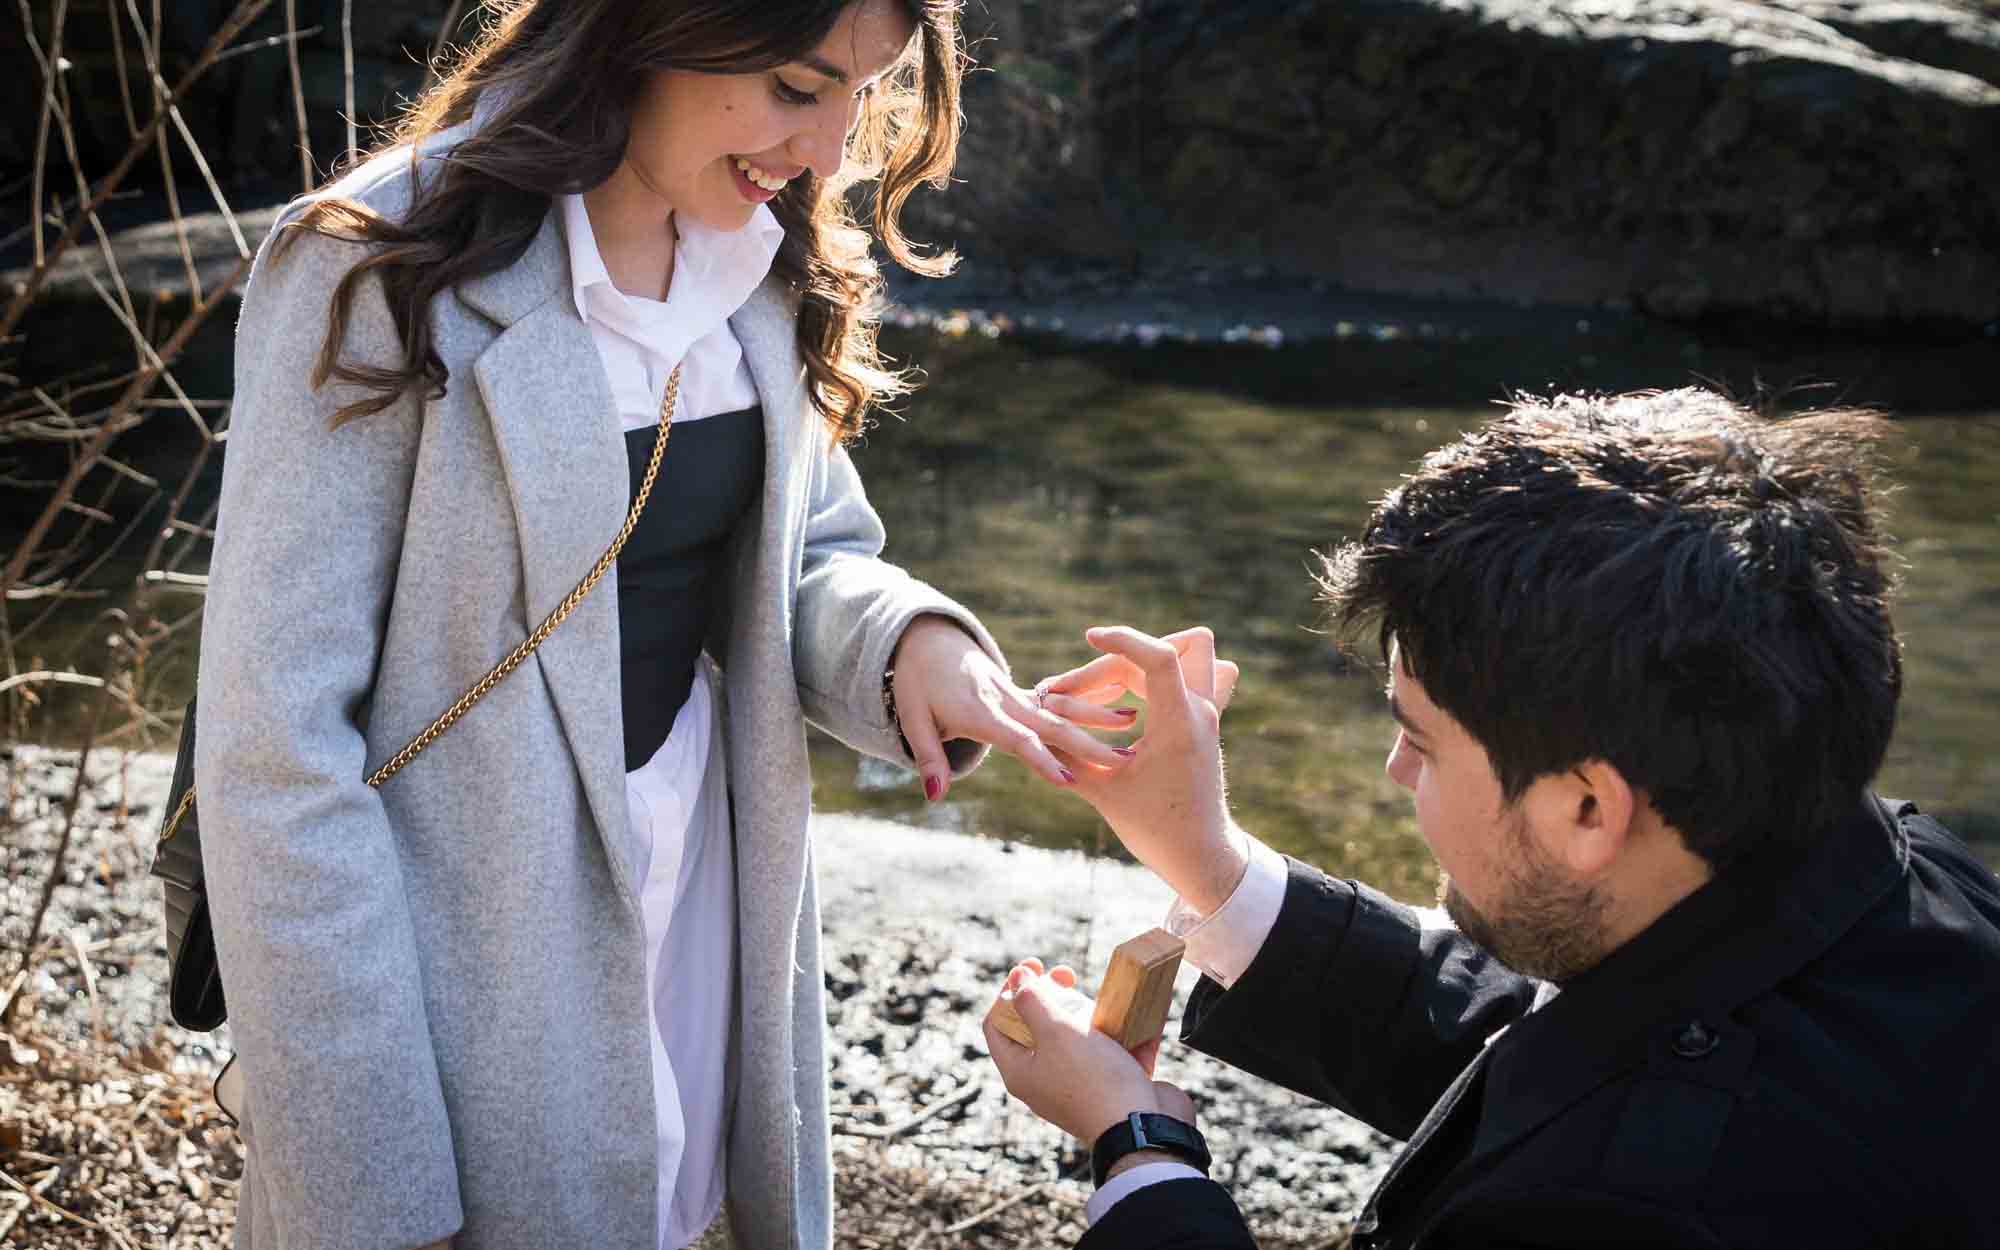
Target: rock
{"x":1699,"y":159}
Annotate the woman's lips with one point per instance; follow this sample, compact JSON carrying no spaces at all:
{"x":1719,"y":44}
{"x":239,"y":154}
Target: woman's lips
{"x":754,"y":183}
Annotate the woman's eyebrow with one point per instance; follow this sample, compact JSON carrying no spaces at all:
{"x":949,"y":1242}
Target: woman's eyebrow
{"x":824,"y":68}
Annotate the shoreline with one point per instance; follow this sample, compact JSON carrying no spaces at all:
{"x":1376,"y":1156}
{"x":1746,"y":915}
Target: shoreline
{"x":919,"y":928}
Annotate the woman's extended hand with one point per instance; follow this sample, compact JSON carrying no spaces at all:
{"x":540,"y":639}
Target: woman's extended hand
{"x":1075,"y":1077}
{"x":947,"y":687}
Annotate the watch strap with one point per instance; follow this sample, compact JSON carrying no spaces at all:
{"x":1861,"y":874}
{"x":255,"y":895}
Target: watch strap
{"x":1147,"y":1130}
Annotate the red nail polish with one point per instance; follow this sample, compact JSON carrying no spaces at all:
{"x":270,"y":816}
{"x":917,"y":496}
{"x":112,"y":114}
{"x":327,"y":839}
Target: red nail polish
{"x":932,"y":788}
{"x":1127,"y":712}
{"x":1127,"y":752}
{"x":1069,"y":776}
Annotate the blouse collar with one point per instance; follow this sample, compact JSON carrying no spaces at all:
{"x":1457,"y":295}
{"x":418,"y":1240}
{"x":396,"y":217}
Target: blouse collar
{"x":715,"y":271}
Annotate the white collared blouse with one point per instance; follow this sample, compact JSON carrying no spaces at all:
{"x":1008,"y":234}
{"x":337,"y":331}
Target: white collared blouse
{"x":681,"y":849}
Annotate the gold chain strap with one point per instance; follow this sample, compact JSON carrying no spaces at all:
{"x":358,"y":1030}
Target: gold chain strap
{"x":500,"y":671}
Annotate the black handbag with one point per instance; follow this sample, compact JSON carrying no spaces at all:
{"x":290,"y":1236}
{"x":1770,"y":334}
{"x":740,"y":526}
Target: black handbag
{"x":194,"y":984}
{"x":194,"y":980}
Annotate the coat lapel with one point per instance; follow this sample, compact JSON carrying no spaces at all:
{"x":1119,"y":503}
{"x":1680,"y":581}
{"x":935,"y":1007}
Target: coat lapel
{"x":1414,"y":1167}
{"x":563,"y":458}
{"x":759,"y":664}
{"x":767,"y":329}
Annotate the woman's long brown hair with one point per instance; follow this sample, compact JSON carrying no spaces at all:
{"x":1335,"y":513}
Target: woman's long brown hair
{"x":569,"y":74}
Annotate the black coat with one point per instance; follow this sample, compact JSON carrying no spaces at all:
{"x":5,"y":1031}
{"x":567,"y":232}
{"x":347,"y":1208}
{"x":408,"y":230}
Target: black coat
{"x":1804,"y":1053}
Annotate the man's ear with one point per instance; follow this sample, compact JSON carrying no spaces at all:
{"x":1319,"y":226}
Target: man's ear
{"x":1586,"y":815}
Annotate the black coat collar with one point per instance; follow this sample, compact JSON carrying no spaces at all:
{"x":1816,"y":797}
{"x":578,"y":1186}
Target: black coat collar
{"x":1674,"y":986}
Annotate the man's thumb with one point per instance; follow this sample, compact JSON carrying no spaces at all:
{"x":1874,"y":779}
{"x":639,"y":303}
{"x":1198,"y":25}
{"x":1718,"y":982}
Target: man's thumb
{"x":1039,"y":1000}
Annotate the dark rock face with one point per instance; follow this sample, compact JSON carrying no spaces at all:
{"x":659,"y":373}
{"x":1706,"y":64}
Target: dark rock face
{"x":1695,"y":158}
{"x":1823,"y":163}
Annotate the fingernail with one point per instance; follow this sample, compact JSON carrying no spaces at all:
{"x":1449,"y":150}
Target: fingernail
{"x":1014,"y":980}
{"x":932,"y":788}
{"x":1127,"y":712}
{"x":1068,"y":777}
{"x":1127,"y":752}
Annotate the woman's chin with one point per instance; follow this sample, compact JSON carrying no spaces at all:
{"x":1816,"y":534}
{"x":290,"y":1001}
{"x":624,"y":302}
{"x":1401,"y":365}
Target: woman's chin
{"x":724,"y":218}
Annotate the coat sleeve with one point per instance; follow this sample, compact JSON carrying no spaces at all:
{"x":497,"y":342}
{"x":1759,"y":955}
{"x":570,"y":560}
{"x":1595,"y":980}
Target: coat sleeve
{"x":346,"y":1117}
{"x":852,"y":607}
{"x":1188,"y":1214}
{"x":1397,"y":1010}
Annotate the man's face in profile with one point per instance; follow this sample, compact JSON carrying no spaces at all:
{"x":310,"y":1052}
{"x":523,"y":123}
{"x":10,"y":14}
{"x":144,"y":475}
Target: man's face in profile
{"x":1500,"y":885}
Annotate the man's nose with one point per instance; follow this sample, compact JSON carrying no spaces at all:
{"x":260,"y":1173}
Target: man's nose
{"x":1398,"y":765}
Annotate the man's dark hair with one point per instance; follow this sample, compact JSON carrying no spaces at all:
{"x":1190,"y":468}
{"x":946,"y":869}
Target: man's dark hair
{"x":1663,"y":581}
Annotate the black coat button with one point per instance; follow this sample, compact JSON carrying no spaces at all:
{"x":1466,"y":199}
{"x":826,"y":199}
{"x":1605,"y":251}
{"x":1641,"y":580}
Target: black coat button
{"x":1695,"y":1040}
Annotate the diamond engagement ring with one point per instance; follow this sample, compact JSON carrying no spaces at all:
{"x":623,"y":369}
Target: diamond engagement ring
{"x":1042,"y":694}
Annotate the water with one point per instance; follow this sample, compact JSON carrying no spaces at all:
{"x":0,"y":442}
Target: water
{"x":1052,"y":488}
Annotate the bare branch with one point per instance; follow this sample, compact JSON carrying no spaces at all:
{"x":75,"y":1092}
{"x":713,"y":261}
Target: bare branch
{"x":173,"y":113}
{"x":445,"y":30}
{"x":271,"y":41}
{"x":141,"y":383}
{"x":152,"y":360}
{"x":245,"y":12}
{"x":51,"y":66}
{"x":347,"y":72}
{"x":299,"y":98}
{"x":124,"y":75}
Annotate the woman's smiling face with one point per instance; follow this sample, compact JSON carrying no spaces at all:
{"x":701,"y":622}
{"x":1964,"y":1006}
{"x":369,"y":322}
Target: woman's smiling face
{"x":715,"y":146}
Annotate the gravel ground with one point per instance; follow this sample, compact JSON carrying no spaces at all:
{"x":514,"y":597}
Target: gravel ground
{"x":104,"y":1109}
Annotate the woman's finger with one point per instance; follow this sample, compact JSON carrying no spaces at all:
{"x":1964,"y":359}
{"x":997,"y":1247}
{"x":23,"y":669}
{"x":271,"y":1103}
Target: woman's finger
{"x":1063,"y":975}
{"x":920,"y":731}
{"x":1081,"y":711}
{"x":1002,"y":731}
{"x":1060,"y":735}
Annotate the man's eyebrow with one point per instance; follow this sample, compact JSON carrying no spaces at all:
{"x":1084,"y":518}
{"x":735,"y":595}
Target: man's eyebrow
{"x":824,"y":68}
{"x":1403,"y":717}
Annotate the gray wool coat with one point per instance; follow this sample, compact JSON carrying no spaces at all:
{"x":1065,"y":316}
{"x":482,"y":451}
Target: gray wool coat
{"x":437,"y":989}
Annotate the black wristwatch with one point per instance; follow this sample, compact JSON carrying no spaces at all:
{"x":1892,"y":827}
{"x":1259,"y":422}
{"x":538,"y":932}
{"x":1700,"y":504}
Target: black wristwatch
{"x":1146,"y":1130}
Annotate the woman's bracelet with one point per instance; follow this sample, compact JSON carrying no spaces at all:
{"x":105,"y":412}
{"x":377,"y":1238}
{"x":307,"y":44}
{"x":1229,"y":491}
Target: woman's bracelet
{"x":889,"y":706}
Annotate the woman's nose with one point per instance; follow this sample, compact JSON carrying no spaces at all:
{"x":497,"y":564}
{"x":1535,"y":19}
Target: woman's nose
{"x":822,"y":146}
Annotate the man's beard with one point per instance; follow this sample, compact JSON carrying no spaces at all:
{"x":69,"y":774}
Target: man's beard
{"x":1545,"y":925}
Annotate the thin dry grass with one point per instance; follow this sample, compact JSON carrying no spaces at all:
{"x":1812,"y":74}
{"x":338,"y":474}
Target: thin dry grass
{"x":102,"y":1144}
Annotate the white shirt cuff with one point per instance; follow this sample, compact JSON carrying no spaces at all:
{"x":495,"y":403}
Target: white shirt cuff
{"x":1130,"y":1181}
{"x":1224,"y":944}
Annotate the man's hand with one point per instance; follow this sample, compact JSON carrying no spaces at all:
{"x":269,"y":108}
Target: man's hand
{"x":1167,"y":802}
{"x":1075,"y":1077}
